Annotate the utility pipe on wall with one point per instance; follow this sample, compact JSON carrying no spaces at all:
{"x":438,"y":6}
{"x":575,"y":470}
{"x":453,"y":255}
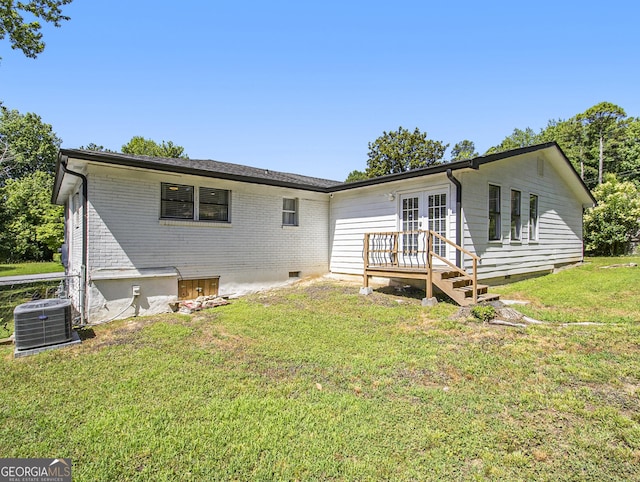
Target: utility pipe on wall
{"x":458,"y":215}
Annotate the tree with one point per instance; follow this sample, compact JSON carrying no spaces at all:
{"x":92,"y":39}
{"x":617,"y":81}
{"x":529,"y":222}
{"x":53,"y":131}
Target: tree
{"x":24,"y":35}
{"x":30,"y":226}
{"x":629,"y":151}
{"x":465,"y":149}
{"x":602,"y":121}
{"x":140,"y":146}
{"x":401,"y":151}
{"x":356,"y":175}
{"x":33,"y":227}
{"x":610,"y":225}
{"x":30,"y":145}
{"x":570,"y":135}
{"x":519,"y":138}
{"x":92,"y":146}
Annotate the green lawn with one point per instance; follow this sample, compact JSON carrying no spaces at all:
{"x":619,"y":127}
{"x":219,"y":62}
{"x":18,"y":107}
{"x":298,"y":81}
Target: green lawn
{"x":316,"y":382}
{"x":589,"y":293}
{"x":17,"y":269}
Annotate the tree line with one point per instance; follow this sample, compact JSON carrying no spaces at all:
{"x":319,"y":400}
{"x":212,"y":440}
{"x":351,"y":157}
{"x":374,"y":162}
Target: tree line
{"x":31,"y":227}
{"x":600,"y":140}
{"x":602,"y":143}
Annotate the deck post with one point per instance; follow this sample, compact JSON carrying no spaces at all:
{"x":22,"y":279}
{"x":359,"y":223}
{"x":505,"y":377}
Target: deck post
{"x":366,"y":259}
{"x":475,"y":281}
{"x":395,"y":249}
{"x":429,"y":265}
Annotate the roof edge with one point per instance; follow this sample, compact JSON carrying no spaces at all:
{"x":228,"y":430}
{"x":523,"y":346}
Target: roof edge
{"x":145,"y":162}
{"x":474,"y":163}
{"x":423,"y":171}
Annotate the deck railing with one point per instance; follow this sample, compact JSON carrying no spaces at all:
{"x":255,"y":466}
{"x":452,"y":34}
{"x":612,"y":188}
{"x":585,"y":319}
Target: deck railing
{"x":406,"y":252}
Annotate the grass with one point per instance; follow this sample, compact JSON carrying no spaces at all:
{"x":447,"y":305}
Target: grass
{"x":18,"y":269}
{"x":318,"y":383}
{"x":588,"y":293}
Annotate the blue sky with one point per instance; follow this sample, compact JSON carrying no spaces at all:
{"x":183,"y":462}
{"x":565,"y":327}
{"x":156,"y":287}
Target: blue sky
{"x":304,"y":86}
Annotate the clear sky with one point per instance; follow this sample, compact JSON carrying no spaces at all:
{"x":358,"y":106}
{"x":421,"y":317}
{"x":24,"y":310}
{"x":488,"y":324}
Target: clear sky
{"x":303,"y":86}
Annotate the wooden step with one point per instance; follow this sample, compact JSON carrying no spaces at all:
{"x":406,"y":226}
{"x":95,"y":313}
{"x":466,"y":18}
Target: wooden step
{"x":488,"y":297}
{"x":458,"y":281}
{"x":481,"y":299}
{"x":446,"y":274}
{"x":468,"y":290}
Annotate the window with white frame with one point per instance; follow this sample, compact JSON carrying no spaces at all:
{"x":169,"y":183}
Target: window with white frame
{"x":180,"y":201}
{"x":516,"y":218}
{"x":289,"y":212}
{"x":495,"y":225}
{"x":533,"y":217}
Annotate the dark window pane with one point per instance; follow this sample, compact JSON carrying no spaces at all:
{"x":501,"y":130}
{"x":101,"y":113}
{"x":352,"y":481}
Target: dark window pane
{"x":214,"y":204}
{"x":177,"y":201}
{"x":516,"y":197}
{"x":494,"y":213}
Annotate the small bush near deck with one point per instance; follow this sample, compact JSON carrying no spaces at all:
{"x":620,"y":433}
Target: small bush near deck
{"x":484,"y":312}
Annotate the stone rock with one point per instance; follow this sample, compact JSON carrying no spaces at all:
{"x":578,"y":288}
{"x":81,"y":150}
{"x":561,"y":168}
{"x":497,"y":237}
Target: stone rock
{"x":201,"y":303}
{"x":429,"y":301}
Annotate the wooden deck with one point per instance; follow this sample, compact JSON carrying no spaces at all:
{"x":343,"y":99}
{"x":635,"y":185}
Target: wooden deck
{"x":422,"y":255}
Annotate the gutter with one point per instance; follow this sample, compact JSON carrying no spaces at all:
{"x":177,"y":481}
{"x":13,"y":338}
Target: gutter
{"x":85,"y":237}
{"x":458,"y":215}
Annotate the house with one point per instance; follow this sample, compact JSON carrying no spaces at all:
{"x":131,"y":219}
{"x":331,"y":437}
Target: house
{"x":143,"y":232}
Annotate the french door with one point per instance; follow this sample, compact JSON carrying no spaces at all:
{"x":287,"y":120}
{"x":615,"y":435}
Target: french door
{"x":437,"y":220}
{"x":425,"y":210}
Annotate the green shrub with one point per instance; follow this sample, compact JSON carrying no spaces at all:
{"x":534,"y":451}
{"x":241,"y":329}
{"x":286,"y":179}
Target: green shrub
{"x":483,"y":312}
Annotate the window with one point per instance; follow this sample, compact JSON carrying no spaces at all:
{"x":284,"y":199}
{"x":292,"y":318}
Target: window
{"x":289,"y":212}
{"x":533,"y":217}
{"x":516,"y":221}
{"x":179,"y":201}
{"x":437,"y":214}
{"x":494,"y":213}
{"x":213,"y":204}
{"x":410,"y":224}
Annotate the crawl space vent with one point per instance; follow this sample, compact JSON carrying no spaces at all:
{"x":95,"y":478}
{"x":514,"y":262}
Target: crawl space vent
{"x":42,"y":323}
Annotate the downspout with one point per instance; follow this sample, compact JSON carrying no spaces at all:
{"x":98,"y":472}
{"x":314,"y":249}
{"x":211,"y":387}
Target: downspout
{"x":458,"y":215}
{"x":85,"y":239}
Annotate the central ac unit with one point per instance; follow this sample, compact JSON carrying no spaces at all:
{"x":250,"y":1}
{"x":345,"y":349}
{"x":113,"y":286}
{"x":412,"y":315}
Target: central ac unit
{"x":42,"y":323}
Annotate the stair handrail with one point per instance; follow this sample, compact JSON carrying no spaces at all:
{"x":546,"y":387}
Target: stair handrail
{"x":474,"y":274}
{"x":430,"y":254}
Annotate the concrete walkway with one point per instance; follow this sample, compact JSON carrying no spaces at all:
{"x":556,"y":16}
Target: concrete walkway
{"x":29,"y":278}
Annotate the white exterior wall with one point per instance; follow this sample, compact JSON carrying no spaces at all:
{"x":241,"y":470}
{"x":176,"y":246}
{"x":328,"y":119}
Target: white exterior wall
{"x":368,"y":209}
{"x":73,"y":239}
{"x":252,"y":251}
{"x":560,"y":218}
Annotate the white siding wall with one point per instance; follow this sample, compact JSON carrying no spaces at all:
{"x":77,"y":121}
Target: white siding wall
{"x":253,"y":249}
{"x":368,"y":209}
{"x":560,"y":218}
{"x":73,"y":240}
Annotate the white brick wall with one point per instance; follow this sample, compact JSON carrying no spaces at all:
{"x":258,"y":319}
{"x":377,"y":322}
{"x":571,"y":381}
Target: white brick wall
{"x":126,"y":232}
